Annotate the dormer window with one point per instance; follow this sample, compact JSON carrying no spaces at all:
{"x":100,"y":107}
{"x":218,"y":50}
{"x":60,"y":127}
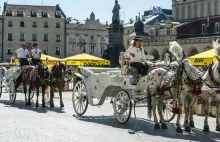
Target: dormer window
{"x":33,"y":13}
{"x":9,"y":12}
{"x":44,"y":14}
{"x":58,"y":14}
{"x":20,"y":13}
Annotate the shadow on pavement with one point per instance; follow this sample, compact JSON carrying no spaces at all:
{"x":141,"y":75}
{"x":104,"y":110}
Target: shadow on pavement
{"x":140,"y":125}
{"x":21,"y":105}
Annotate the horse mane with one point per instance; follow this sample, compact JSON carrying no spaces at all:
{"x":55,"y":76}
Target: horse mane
{"x":192,"y":72}
{"x":216,"y":47}
{"x":56,"y":69}
{"x":176,"y":50}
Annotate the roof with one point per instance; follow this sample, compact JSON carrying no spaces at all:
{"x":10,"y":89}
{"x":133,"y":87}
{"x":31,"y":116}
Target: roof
{"x":167,"y":11}
{"x":156,"y":18}
{"x":83,"y":56}
{"x":28,"y":8}
{"x":91,"y":25}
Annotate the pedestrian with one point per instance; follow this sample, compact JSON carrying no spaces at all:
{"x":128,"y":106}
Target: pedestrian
{"x":22,"y":55}
{"x":35,"y":54}
{"x":138,"y":56}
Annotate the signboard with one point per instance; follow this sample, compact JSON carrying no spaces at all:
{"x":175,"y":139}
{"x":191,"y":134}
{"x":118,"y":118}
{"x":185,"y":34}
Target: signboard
{"x":201,"y":61}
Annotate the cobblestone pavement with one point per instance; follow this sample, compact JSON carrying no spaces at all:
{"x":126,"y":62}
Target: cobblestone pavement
{"x":19,"y":123}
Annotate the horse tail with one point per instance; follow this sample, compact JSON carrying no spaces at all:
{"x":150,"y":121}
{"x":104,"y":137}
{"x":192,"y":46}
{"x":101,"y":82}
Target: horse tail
{"x":149,"y":102}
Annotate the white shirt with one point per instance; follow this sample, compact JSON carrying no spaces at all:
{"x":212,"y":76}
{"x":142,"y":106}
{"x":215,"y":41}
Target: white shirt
{"x":22,"y":53}
{"x":36,"y":53}
{"x":138,"y":52}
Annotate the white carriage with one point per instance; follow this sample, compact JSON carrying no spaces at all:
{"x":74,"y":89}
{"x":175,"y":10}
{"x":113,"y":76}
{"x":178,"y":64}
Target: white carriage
{"x":117,"y":83}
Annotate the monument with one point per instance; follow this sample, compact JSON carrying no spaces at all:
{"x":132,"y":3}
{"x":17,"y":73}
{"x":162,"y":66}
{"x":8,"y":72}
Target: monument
{"x":116,"y":32}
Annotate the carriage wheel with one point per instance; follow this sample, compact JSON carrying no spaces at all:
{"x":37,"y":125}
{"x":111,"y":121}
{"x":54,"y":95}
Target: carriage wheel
{"x":167,"y":110}
{"x":12,"y":93}
{"x":1,"y":89}
{"x":122,"y":106}
{"x":79,"y":98}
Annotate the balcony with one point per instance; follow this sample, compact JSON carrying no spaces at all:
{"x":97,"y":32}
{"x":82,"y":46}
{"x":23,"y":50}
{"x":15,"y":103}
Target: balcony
{"x":46,"y":26}
{"x":10,"y":25}
{"x":57,"y":26}
{"x":34,"y":39}
{"x":92,"y":40}
{"x":22,"y":39}
{"x":45,"y":39}
{"x":58,"y":40}
{"x":10,"y":39}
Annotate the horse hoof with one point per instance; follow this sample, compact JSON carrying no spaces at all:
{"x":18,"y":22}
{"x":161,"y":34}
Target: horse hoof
{"x":52,"y":105}
{"x":179,"y":130}
{"x":28,"y":103}
{"x":156,"y":126}
{"x":206,"y":128}
{"x":191,"y":124}
{"x":43,"y":105}
{"x":188,"y":129}
{"x":218,"y":128}
{"x":164,"y":126}
{"x":62,"y":105}
{"x":37,"y":105}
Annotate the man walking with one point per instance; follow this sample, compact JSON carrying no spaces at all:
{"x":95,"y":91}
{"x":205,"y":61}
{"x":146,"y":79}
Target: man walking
{"x":35,"y":54}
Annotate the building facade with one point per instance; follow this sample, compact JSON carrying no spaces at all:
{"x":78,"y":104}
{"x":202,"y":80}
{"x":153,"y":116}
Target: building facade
{"x":44,"y":25}
{"x":87,"y":36}
{"x":188,"y":10}
{"x":1,"y":53}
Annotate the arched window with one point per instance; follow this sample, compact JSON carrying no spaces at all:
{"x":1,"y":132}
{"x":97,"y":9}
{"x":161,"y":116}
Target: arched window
{"x":9,"y":12}
{"x":44,"y":14}
{"x":202,"y":10}
{"x":189,"y":12}
{"x":195,"y":11}
{"x":216,"y":7}
{"x":177,"y":13}
{"x":183,"y":12}
{"x":20,"y":13}
{"x":33,"y":13}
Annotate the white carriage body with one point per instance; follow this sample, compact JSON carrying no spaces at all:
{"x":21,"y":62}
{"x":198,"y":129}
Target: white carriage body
{"x":105,"y":82}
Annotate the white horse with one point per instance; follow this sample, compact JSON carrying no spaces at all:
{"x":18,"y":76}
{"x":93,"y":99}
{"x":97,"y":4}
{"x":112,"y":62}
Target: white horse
{"x":169,"y":84}
{"x":210,"y":92}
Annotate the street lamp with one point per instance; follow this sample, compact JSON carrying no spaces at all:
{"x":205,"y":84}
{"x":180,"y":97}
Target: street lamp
{"x":82,"y":43}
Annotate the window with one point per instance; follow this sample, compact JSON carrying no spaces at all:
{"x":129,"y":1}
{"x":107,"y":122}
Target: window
{"x":183,"y":12}
{"x":33,"y":13}
{"x":57,"y":25}
{"x":44,"y":14}
{"x":45,"y":24}
{"x":102,"y":49}
{"x":10,"y":36}
{"x":72,"y":49}
{"x":216,"y":8}
{"x":21,"y":37}
{"x":57,"y":50}
{"x":203,"y":28}
{"x":202,"y":10}
{"x":58,"y":38}
{"x":92,"y":49}
{"x":34,"y":37}
{"x":92,"y":37}
{"x":157,"y":32}
{"x":34,"y":24}
{"x":10,"y":24}
{"x":195,"y":11}
{"x":189,"y":12}
{"x":45,"y":37}
{"x":9,"y":50}
{"x":20,"y":13}
{"x":128,"y":31}
{"x":102,"y":38}
{"x":58,"y":14}
{"x":9,"y":12}
{"x":217,"y":27}
{"x":22,"y":24}
{"x":168,"y":31}
{"x":46,"y":50}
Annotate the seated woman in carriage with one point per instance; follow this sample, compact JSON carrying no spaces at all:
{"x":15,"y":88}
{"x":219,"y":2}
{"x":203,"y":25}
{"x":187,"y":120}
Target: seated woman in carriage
{"x":137,"y":56}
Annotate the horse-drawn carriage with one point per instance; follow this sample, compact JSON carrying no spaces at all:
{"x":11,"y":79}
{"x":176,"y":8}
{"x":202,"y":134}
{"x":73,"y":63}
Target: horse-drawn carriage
{"x":118,"y":83}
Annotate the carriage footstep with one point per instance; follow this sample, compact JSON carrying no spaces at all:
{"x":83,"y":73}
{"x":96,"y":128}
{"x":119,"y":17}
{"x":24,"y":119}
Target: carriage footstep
{"x":131,"y":132}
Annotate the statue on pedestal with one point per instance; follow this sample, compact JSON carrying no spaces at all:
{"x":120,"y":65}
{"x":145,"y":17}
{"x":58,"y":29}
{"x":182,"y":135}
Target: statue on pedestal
{"x":115,"y":11}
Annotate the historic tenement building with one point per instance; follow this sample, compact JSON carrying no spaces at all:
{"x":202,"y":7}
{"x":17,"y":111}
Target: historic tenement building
{"x":44,"y":25}
{"x":188,"y":10}
{"x":86,"y":36}
{"x":1,"y":53}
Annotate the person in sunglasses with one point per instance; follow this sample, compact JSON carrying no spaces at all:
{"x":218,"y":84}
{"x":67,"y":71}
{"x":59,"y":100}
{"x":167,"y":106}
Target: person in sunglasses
{"x":35,"y":54}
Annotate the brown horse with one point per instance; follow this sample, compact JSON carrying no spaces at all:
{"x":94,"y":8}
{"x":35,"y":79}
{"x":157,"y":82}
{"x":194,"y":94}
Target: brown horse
{"x":57,"y":75}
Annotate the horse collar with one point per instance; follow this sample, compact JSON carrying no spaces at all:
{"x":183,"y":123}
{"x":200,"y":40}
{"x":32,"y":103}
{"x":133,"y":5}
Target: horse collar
{"x":211,"y":75}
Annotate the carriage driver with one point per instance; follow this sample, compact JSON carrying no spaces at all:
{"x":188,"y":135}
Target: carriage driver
{"x":35,"y":54}
{"x":22,"y":54}
{"x":138,"y":57}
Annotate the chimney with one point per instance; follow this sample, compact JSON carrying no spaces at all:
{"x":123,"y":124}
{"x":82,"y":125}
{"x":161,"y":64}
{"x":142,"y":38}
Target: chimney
{"x":136,"y":18}
{"x":143,"y":18}
{"x":106,"y":23}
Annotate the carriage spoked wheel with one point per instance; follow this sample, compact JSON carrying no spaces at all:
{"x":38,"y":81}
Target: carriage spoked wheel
{"x":122,"y":106}
{"x":79,"y":98}
{"x":12,"y":93}
{"x":1,"y":86}
{"x":167,"y":110}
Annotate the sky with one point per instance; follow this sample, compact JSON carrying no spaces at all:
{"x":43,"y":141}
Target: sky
{"x":81,"y":9}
